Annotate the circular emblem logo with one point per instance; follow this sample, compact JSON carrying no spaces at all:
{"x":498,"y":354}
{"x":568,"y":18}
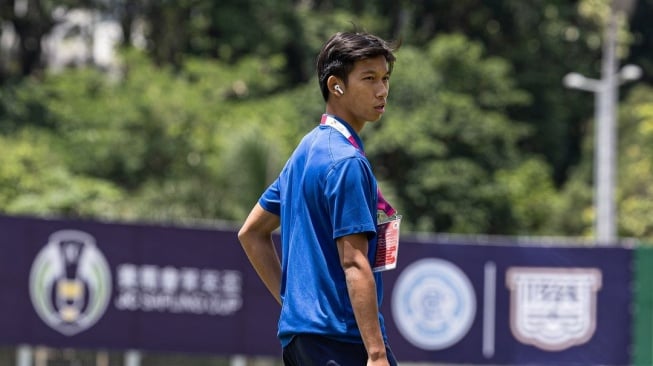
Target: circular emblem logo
{"x":70,"y":282}
{"x":433,"y":304}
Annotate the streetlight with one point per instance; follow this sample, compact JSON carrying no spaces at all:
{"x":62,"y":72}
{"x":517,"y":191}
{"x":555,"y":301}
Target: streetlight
{"x":605,"y":91}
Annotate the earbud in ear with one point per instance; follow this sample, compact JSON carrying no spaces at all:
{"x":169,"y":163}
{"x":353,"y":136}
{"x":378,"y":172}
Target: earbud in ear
{"x":339,"y":89}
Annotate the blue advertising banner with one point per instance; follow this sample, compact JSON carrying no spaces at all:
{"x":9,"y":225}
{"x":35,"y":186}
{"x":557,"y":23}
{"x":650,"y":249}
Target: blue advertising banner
{"x":97,"y":285}
{"x":87,"y":284}
{"x":510,"y":304}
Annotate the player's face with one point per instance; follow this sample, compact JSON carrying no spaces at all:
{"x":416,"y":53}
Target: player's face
{"x":366,"y":93}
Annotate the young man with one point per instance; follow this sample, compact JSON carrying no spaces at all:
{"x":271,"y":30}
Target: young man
{"x":326,"y":201}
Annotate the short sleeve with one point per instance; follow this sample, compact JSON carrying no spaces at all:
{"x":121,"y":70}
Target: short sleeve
{"x":271,"y":199}
{"x":351,"y":196}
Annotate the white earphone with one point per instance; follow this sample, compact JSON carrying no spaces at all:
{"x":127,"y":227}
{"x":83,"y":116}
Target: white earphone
{"x":339,"y":89}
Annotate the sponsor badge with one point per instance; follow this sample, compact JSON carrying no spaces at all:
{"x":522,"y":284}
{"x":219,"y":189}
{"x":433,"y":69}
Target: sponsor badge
{"x":387,"y":247}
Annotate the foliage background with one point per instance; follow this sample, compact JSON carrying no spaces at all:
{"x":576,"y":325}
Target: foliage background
{"x":208,"y":99}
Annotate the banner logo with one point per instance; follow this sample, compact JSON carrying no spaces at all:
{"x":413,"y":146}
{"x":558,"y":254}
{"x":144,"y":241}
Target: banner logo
{"x":190,"y":290}
{"x":433,"y":304}
{"x":70,"y":282}
{"x":553,"y":308}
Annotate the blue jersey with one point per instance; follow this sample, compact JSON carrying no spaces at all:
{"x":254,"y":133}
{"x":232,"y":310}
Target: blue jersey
{"x":325,"y":191}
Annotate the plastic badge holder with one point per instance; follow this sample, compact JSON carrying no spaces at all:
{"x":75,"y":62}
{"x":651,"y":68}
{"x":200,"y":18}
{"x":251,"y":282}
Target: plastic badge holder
{"x":387,"y":248}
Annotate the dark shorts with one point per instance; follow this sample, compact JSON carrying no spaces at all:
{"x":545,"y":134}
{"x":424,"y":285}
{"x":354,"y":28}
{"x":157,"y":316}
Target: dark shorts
{"x":314,"y":350}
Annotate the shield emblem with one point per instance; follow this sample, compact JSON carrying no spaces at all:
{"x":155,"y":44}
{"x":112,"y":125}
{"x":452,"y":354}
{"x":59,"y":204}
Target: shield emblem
{"x":553,"y":308}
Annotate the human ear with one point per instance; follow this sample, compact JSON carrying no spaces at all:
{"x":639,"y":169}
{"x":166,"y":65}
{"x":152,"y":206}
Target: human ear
{"x":335,"y":85}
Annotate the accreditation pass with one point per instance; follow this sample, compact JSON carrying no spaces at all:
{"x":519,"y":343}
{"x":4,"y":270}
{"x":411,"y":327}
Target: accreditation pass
{"x":387,"y":247}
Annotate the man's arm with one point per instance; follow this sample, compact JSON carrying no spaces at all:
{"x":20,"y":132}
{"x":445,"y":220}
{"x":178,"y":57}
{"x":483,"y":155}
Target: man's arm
{"x":362,"y":292}
{"x":256,"y":239}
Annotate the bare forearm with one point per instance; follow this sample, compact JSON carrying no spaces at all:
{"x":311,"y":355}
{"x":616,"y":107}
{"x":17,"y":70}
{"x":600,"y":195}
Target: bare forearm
{"x":263,"y":256}
{"x":256,"y":239}
{"x":362,"y":292}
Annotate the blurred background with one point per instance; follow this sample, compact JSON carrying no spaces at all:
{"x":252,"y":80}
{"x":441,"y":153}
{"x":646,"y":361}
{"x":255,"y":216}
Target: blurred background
{"x":176,"y":112}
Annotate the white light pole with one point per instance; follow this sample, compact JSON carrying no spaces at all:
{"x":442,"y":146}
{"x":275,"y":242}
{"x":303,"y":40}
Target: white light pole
{"x":605,"y":115}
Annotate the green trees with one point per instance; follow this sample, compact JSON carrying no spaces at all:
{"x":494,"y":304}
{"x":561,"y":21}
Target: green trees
{"x":479,"y":137}
{"x":156,"y":137}
{"x":636,"y":165}
{"x":446,"y":135}
{"x":35,"y":181}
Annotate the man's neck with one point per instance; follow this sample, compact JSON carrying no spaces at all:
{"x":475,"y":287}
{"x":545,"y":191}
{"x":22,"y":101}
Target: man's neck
{"x":346,"y":117}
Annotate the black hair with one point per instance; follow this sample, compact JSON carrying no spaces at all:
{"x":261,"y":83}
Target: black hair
{"x":343,"y":49}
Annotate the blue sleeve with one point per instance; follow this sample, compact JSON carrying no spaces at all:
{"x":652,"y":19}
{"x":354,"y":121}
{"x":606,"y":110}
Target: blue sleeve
{"x":351,"y":195}
{"x":270,"y":199}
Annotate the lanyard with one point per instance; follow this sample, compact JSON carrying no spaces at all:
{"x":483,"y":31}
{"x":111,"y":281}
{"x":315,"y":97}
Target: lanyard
{"x":328,"y":120}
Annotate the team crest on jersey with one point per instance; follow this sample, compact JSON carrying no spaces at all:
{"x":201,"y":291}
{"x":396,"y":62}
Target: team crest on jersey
{"x":553,"y":308}
{"x":433,"y":304}
{"x":70,"y":282}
